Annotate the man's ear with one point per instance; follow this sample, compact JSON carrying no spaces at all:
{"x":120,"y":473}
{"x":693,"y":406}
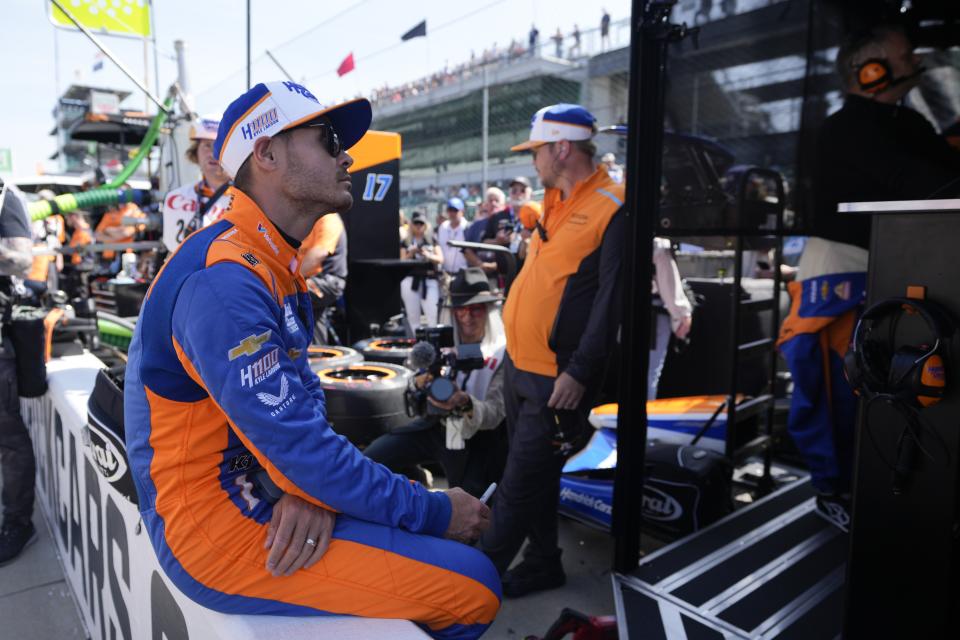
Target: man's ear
{"x":562,"y":148}
{"x":266,"y":153}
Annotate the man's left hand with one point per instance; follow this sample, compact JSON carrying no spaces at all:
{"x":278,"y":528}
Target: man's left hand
{"x":295,"y":524}
{"x":567,"y":393}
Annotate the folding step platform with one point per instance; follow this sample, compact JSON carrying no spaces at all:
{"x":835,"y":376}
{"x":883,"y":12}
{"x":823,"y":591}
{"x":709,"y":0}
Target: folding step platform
{"x":774,"y":569}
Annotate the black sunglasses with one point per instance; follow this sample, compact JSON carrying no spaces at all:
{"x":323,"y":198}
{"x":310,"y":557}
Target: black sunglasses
{"x":331,"y":139}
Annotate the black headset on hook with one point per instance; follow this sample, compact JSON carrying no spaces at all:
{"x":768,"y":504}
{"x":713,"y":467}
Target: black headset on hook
{"x":908,"y":378}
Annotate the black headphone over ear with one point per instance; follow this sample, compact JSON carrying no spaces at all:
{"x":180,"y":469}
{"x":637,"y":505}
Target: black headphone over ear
{"x":912,"y":374}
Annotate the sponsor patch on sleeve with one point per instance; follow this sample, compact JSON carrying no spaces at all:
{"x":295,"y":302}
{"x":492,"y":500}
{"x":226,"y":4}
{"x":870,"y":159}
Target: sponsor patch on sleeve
{"x":248,"y":346}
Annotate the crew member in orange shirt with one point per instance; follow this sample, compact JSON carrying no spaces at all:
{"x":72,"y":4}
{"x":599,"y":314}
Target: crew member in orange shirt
{"x":324,"y":255}
{"x":111,"y":227}
{"x":560,"y":318}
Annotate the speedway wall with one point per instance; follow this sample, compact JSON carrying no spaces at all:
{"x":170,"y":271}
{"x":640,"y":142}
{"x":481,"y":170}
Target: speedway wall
{"x":105,"y":553}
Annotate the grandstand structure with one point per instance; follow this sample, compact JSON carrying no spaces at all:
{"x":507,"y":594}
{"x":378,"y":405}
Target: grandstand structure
{"x":745,"y":93}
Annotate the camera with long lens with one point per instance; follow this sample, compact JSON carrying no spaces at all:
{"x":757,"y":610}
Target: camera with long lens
{"x":436,"y":362}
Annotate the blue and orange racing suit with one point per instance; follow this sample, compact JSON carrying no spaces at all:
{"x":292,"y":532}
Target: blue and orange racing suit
{"x":813,"y":340}
{"x":218,"y":386}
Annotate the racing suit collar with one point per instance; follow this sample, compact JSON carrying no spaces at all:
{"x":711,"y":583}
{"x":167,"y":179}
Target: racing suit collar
{"x":270,"y":241}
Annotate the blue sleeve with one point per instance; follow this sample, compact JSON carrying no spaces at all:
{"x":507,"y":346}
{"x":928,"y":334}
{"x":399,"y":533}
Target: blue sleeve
{"x":225,"y":321}
{"x":311,"y":382}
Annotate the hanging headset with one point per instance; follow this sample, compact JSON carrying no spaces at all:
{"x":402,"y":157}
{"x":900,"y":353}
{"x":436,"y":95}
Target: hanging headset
{"x":908,"y":378}
{"x":913,"y":374}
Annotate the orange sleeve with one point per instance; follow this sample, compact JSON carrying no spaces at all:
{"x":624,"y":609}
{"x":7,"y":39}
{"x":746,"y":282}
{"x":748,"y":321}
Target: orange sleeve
{"x":325,"y":233}
{"x":109,"y":219}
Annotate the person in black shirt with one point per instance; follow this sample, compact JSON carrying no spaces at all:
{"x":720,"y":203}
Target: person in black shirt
{"x":420,"y":290}
{"x":16,"y":453}
{"x":874,"y":148}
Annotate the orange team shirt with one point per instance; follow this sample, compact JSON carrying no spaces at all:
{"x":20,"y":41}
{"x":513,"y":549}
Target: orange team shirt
{"x":325,"y":234}
{"x":574,"y":229}
{"x":114,"y":218}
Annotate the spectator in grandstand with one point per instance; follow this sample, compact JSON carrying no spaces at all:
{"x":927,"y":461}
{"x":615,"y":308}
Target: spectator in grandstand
{"x":465,"y":436}
{"x":196,"y":204}
{"x":575,"y":49}
{"x":499,"y":211}
{"x":324,"y":266}
{"x":614,"y":170}
{"x":520,"y":193}
{"x":17,"y":463}
{"x":604,"y":31}
{"x":533,"y":39}
{"x":453,"y":229}
{"x":420,"y":290}
{"x":558,"y":43}
{"x":483,"y":227}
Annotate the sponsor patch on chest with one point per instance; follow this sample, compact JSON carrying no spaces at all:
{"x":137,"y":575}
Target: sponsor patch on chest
{"x":290,"y":318}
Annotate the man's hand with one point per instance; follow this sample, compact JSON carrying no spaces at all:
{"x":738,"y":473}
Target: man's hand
{"x":683,"y":329}
{"x":567,"y":393}
{"x":294,"y":525}
{"x":458,"y":399}
{"x":469,"y":517}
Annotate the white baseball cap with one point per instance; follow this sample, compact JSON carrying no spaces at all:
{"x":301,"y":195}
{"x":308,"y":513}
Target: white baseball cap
{"x":271,"y":107}
{"x":205,"y":127}
{"x":559,"y":122}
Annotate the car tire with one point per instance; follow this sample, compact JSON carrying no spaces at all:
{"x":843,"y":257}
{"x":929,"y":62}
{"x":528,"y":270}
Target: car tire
{"x":386,"y":349}
{"x":329,"y":357}
{"x":365,"y":400}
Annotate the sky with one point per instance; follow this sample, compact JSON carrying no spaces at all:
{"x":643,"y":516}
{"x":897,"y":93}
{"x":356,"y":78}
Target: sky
{"x":308,"y":38}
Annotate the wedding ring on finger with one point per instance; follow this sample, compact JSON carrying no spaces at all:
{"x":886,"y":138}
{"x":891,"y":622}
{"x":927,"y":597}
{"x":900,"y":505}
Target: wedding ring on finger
{"x":311,"y":542}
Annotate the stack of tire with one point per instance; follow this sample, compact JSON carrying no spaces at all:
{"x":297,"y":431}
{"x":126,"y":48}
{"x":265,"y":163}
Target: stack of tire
{"x":364,"y":396}
{"x":387,"y":349}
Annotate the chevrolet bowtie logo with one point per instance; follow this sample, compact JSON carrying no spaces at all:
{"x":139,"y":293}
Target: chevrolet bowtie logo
{"x":294,"y":353}
{"x":248,"y":346}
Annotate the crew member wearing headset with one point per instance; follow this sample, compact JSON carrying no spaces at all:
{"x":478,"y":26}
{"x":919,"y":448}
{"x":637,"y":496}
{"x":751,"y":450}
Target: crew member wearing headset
{"x":195,"y":205}
{"x":874,"y":148}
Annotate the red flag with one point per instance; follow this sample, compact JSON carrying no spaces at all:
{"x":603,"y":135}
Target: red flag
{"x":346,"y":66}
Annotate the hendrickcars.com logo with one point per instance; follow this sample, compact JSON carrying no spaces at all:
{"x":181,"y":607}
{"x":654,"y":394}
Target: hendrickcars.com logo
{"x":569,"y":495}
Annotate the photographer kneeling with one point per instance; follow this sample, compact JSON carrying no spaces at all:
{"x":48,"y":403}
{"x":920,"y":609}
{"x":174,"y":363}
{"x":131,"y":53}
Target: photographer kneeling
{"x":461,"y":433}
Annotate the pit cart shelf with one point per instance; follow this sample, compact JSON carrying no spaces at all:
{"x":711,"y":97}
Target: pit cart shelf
{"x":774,"y":569}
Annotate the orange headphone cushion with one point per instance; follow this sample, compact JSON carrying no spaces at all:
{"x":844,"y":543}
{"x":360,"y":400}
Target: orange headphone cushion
{"x":933,"y":378}
{"x":873,"y":75}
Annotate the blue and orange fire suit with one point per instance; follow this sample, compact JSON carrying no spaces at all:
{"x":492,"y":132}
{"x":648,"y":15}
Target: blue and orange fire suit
{"x":813,"y":340}
{"x":217,"y":387}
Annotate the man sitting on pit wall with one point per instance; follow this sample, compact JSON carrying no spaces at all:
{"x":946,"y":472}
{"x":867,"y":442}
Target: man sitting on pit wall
{"x":218,"y":388}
